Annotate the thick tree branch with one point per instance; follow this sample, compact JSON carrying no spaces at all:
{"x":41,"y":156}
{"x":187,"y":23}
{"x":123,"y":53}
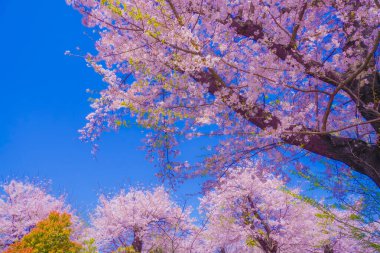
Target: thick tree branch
{"x":357,"y":154}
{"x":369,"y":85}
{"x":249,"y":29}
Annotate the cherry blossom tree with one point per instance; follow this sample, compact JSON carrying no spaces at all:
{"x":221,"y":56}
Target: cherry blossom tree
{"x":252,"y":213}
{"x":22,"y":206}
{"x":272,"y":76}
{"x":247,"y":211}
{"x":145,"y":220}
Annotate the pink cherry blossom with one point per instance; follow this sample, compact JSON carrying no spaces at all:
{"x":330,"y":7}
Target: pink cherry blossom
{"x":250,"y":213}
{"x":147,"y":220}
{"x":266,"y":75}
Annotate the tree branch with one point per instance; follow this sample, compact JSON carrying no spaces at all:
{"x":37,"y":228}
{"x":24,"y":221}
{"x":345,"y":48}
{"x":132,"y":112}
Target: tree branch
{"x":357,"y":154}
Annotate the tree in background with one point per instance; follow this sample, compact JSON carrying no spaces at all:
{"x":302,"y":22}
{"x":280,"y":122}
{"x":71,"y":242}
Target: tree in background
{"x":281,"y":77}
{"x":50,"y":235}
{"x":128,"y":249}
{"x":22,"y":206}
{"x":89,"y":246}
{"x":146,"y":220}
{"x":252,"y":213}
{"x":247,"y":211}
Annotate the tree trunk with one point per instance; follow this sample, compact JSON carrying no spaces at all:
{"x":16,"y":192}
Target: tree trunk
{"x":137,"y":243}
{"x":328,"y":249}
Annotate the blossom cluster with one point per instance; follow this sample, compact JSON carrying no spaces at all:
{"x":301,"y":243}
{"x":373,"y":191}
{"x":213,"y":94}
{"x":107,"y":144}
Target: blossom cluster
{"x":244,"y":212}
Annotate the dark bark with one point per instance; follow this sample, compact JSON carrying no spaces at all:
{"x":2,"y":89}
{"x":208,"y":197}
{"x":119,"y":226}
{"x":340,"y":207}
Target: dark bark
{"x":367,"y":89}
{"x":268,"y":246}
{"x":249,"y":29}
{"x":137,"y":243}
{"x":328,"y":249}
{"x":357,"y":154}
{"x":360,"y":156}
{"x":267,"y":243}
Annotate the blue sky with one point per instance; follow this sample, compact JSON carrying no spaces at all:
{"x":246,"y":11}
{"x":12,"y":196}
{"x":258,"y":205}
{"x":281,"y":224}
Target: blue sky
{"x":43,"y":103}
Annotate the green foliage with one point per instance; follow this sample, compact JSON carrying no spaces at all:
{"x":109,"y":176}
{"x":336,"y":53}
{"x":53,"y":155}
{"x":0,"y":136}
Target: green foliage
{"x":89,"y":247}
{"x":157,"y":251}
{"x":375,"y":246}
{"x":128,"y":249}
{"x":251,"y":242}
{"x":51,"y":235}
{"x":355,"y":217}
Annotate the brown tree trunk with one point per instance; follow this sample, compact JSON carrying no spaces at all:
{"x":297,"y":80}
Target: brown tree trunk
{"x":137,"y":243}
{"x":328,"y":249}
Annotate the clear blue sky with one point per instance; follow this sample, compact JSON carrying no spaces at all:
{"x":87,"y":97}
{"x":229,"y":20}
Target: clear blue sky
{"x":43,"y":103}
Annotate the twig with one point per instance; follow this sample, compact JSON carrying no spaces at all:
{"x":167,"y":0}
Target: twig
{"x":332,"y":131}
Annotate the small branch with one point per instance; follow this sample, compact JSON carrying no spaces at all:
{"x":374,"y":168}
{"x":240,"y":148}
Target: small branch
{"x":333,"y":131}
{"x":177,"y":47}
{"x":303,"y":90}
{"x":199,"y":15}
{"x":292,"y":42}
{"x":137,"y":29}
{"x":377,"y":3}
{"x":279,"y":25}
{"x":329,"y":105}
{"x":175,"y":12}
{"x":245,"y":71}
{"x":366,"y":62}
{"x":128,"y":51}
{"x":347,"y":81}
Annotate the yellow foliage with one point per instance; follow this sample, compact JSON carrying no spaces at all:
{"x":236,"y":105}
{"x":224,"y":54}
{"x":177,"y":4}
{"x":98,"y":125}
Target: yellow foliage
{"x":51,"y":235}
{"x":128,"y":249}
